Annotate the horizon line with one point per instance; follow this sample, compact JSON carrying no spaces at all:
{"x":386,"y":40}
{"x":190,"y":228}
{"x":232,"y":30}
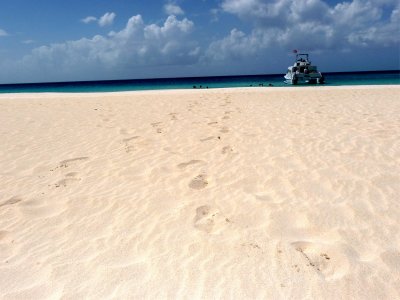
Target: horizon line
{"x":185,"y":77}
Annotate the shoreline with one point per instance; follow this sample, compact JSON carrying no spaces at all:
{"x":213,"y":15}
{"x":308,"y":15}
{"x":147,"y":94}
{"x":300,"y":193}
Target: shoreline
{"x":221,"y":90}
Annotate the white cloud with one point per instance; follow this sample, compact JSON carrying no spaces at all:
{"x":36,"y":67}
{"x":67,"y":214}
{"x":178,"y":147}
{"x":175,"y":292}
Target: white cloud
{"x":118,"y":54}
{"x":307,"y":24}
{"x":107,"y":19}
{"x":355,"y":14}
{"x":89,"y":19}
{"x":234,"y":46}
{"x":395,"y":16}
{"x":173,"y":9}
{"x":256,"y":9}
{"x":3,"y":32}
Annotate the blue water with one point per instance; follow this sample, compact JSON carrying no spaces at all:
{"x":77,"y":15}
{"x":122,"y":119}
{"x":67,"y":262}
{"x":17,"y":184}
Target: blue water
{"x":332,"y":79}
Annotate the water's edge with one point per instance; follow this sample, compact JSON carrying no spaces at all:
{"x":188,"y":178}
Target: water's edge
{"x":332,"y":79}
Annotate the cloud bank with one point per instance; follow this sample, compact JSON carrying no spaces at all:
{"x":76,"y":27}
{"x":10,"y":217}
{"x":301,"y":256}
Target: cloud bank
{"x":119,"y":53}
{"x":311,"y":25}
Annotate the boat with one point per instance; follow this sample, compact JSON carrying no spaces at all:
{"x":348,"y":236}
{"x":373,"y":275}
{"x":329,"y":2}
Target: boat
{"x":303,"y":72}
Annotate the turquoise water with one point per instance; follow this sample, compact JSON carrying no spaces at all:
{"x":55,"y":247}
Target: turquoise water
{"x":332,"y":79}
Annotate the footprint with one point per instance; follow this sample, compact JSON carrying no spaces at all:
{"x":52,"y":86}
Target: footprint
{"x":227,"y":149}
{"x":11,"y":201}
{"x":328,"y":260}
{"x":312,"y":259}
{"x":209,"y":219}
{"x":204,"y":220}
{"x":199,"y":182}
{"x":66,"y":182}
{"x":157,"y":126}
{"x":136,"y":143}
{"x":173,"y":116}
{"x":192,"y":162}
{"x":69,"y":178}
{"x":66,"y":163}
{"x":250,"y":248}
{"x":128,"y":146}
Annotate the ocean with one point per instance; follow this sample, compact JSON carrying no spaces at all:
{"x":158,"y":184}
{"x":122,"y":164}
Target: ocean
{"x":277,"y":80}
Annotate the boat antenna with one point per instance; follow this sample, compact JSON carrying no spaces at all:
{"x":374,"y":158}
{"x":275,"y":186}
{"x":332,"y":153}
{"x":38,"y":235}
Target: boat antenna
{"x":296,"y":52}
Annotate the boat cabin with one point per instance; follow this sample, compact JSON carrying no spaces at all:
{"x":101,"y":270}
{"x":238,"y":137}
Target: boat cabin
{"x":303,"y":71}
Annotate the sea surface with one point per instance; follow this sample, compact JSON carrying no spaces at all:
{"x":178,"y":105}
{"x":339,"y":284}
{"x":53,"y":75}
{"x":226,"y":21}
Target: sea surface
{"x":332,"y":79}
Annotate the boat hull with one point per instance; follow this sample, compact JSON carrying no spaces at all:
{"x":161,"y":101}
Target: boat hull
{"x":304,"y":79}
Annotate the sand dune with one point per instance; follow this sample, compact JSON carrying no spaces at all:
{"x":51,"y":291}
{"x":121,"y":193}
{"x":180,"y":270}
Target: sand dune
{"x":261,"y":193}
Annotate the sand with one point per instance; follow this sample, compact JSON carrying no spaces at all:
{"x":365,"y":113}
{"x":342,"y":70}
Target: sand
{"x":247,"y":193}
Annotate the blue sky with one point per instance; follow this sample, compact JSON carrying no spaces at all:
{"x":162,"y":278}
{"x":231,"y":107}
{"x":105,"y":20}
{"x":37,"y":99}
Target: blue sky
{"x":58,"y":40}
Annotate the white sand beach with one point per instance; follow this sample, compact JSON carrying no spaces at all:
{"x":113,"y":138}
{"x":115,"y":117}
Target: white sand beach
{"x":245,"y":193}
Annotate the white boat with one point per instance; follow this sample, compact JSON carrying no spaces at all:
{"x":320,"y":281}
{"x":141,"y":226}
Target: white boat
{"x":303,"y":72}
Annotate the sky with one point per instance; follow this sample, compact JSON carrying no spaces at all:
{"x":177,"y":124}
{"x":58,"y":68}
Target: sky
{"x":74,"y":40}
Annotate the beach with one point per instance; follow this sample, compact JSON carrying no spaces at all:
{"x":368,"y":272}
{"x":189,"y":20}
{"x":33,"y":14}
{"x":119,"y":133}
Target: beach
{"x":244,"y":193}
